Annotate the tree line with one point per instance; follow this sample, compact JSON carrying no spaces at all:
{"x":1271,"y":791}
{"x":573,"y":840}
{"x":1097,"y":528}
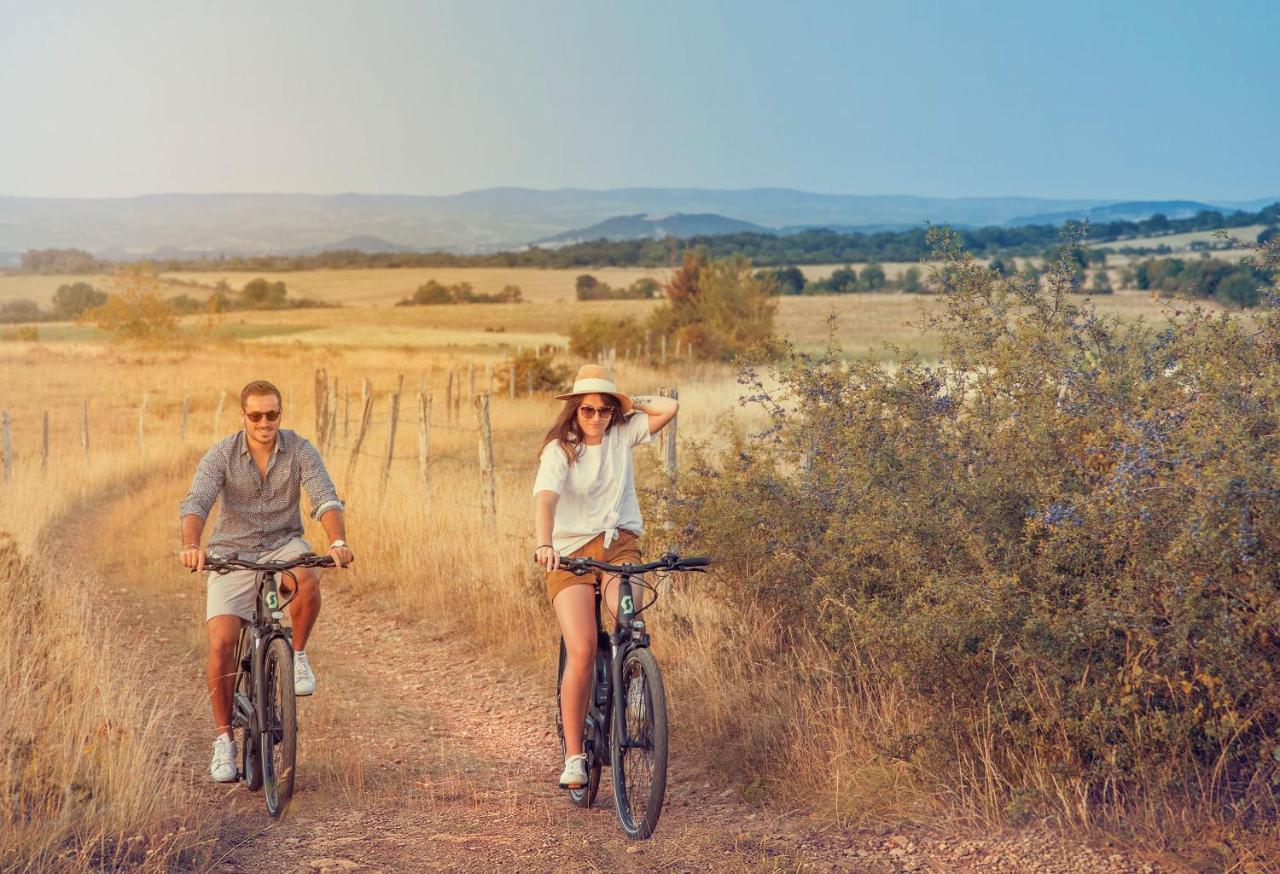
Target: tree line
{"x":814,"y":246}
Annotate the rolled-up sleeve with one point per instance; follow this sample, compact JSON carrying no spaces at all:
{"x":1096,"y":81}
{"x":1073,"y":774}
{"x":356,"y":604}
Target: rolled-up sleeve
{"x":206,"y":487}
{"x":321,"y":491}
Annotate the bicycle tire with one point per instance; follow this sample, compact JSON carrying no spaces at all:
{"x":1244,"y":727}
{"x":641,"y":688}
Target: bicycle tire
{"x":585,"y":796}
{"x":278,"y":744}
{"x":640,"y":722}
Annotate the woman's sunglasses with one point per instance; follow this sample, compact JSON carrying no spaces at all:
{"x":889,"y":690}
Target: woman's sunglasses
{"x":256,"y":417}
{"x":589,"y":412}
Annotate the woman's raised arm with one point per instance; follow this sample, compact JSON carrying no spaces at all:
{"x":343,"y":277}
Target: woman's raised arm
{"x":659,"y":411}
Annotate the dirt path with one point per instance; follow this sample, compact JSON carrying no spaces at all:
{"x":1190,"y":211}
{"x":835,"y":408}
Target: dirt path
{"x":419,"y":754}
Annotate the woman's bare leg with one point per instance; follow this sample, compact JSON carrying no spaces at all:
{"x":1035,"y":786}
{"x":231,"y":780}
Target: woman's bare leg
{"x":575,"y":610}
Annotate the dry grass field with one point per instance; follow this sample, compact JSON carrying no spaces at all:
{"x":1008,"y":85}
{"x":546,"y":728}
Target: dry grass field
{"x":1182,"y":242}
{"x":425,"y":552}
{"x":382,"y":287}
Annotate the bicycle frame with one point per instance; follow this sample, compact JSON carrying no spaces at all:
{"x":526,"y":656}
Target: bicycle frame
{"x":246,"y":713}
{"x":628,"y":633}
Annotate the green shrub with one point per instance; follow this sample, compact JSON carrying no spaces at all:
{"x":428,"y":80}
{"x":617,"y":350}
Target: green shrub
{"x":718,"y":308}
{"x":592,"y":336}
{"x":1063,"y":541}
{"x":537,"y":369}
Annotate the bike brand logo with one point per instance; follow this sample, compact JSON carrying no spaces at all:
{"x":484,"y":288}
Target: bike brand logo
{"x":272,"y":601}
{"x":627,"y":604}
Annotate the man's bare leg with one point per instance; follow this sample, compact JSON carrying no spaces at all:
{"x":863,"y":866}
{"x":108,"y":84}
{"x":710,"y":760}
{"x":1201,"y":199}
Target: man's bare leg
{"x":224,"y":634}
{"x":305,"y":606}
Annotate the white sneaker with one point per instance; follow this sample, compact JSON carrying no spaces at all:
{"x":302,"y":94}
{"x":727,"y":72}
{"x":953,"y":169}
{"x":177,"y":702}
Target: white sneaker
{"x":304,"y":679}
{"x":223,"y":767}
{"x":575,"y":772}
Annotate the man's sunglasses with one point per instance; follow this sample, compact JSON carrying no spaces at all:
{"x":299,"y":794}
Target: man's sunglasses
{"x":589,"y":412}
{"x":256,"y":417}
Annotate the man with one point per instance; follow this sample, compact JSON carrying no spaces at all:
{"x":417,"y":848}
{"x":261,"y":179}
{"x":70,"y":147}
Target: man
{"x":258,"y":472}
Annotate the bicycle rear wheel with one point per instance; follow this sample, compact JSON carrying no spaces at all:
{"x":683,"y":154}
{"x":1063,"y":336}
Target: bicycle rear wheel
{"x":586,"y":795}
{"x":278,"y":743}
{"x":638,"y":746}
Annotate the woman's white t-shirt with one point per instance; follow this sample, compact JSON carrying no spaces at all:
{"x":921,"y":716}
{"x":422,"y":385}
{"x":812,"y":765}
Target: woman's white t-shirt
{"x":598,"y":491}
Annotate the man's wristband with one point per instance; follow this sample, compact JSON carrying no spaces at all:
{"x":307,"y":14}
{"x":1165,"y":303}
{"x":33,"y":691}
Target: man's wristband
{"x":191,"y":546}
{"x":339,"y":544}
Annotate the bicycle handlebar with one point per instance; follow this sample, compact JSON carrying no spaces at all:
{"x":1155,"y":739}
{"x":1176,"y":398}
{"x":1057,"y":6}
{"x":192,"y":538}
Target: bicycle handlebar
{"x":220,"y":563}
{"x":668,"y":562}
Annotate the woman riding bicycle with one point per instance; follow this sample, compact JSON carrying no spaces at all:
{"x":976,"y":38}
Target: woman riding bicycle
{"x":585,"y":505}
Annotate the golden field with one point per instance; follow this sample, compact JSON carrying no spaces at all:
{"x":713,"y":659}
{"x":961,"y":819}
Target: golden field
{"x":425,"y":550}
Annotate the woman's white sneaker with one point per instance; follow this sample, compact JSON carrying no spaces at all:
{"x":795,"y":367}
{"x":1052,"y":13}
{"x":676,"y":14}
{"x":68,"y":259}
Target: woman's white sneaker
{"x":223,"y":767}
{"x":304,"y":679}
{"x":575,"y":773}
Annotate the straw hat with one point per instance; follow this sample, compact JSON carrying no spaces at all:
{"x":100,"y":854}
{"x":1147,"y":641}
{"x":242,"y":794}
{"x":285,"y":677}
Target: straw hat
{"x":595,"y":379}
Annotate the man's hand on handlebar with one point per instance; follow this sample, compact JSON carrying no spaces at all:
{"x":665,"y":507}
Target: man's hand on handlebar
{"x":341,"y":555}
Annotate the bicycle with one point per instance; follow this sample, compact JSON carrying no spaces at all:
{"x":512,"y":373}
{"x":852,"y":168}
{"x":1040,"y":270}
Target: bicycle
{"x":264,"y":705}
{"x":634,"y":734}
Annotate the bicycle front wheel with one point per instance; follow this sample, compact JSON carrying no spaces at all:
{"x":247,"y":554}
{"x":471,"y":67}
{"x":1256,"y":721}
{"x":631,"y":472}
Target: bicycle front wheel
{"x":638,"y":746}
{"x":278,"y":743}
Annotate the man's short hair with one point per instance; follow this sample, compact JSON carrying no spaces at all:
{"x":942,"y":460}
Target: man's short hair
{"x":260,"y":387}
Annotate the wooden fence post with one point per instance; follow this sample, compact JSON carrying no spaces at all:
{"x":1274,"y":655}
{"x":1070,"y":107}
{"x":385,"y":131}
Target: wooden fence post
{"x":84,"y":428}
{"x":488,"y":497}
{"x":528,"y":382}
{"x":346,"y":413}
{"x":142,"y":421}
{"x":186,"y":410}
{"x":322,"y":398}
{"x":8,"y":445}
{"x":424,"y":447}
{"x":668,"y":443}
{"x":471,"y":378}
{"x":448,"y":397}
{"x":648,"y":347}
{"x":662,"y":349}
{"x":391,"y":436}
{"x":355,"y":447}
{"x":331,"y":426}
{"x":667,"y":448}
{"x":44,"y":443}
{"x":217,"y":416}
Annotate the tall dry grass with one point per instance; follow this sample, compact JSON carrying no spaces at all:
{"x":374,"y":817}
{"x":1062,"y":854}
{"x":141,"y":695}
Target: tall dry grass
{"x":748,"y":701}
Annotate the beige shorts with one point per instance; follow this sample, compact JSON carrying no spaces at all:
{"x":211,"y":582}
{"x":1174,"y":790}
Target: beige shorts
{"x":233,"y":594}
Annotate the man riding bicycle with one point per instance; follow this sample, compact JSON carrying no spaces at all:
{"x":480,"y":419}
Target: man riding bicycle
{"x":259,"y":472}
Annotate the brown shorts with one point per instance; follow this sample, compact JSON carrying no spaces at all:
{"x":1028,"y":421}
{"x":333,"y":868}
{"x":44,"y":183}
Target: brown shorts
{"x":624,"y":549}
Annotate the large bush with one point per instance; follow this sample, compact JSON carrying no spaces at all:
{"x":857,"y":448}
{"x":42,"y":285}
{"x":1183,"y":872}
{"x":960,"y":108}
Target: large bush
{"x":1063,"y":541}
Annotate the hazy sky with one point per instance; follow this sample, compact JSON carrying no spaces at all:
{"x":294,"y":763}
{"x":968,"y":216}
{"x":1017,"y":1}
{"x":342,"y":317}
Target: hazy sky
{"x":1067,"y":99}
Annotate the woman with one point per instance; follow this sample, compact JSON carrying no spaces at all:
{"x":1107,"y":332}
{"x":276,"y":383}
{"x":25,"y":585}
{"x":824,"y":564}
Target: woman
{"x":585,"y":505}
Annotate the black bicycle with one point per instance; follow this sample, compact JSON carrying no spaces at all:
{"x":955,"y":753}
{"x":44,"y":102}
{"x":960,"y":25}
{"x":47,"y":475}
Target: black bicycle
{"x":627,"y":707}
{"x":264,"y":705}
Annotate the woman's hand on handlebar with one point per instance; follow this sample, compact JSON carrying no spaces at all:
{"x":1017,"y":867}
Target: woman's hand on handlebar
{"x":547,"y":557}
{"x":193,"y":558}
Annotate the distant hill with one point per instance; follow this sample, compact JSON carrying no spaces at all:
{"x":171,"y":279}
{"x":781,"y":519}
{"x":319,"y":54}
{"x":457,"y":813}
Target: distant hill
{"x":657,"y":227}
{"x":1132,"y":211}
{"x":488,"y":220}
{"x":363,"y":243}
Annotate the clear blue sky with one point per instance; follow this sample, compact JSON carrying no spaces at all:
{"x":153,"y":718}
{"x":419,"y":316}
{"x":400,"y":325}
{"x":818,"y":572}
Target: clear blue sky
{"x":1069,"y":99}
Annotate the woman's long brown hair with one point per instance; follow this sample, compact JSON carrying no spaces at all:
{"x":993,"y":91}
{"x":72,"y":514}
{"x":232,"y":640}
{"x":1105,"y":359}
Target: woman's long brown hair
{"x":566,"y":432}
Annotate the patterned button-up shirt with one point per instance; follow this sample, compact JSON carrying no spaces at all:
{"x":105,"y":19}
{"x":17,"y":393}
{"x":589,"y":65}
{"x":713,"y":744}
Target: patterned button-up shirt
{"x":259,"y":515}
